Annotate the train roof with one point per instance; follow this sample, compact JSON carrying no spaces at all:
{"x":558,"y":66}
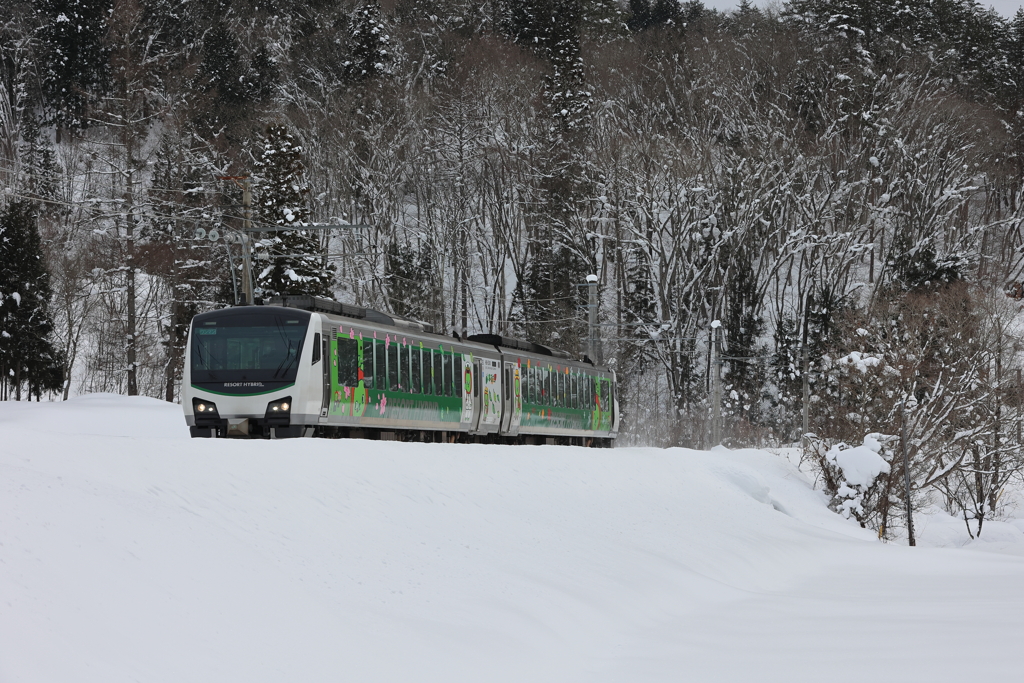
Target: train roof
{"x":519,"y":345}
{"x":330,"y":307}
{"x":321,"y":305}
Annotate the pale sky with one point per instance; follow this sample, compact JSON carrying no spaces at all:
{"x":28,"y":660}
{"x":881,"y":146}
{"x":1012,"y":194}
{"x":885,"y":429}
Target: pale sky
{"x":1007,"y":8}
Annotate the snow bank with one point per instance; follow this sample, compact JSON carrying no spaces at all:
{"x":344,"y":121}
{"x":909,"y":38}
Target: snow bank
{"x":129,"y":552}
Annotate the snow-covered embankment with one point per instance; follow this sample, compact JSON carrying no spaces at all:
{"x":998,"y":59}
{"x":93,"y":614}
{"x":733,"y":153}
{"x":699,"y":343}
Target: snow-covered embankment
{"x":130,"y":552}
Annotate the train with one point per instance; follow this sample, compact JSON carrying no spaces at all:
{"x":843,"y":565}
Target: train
{"x":305,"y":366}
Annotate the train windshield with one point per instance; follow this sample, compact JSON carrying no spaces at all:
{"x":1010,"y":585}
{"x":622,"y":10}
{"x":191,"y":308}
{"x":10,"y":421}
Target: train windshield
{"x":246,"y":349}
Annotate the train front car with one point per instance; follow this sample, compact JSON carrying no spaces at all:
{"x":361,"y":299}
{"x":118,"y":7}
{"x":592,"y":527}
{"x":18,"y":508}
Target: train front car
{"x":253,"y":371}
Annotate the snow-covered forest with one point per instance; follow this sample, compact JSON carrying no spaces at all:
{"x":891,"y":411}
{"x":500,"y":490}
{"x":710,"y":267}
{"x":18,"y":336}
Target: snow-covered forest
{"x":840,"y":184}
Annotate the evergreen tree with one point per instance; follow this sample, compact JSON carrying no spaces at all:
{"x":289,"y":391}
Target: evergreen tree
{"x":40,"y":166}
{"x":27,"y":356}
{"x":72,"y":58}
{"x":299,"y":266}
{"x":645,"y":14}
{"x":409,"y":281}
{"x":369,"y":44}
{"x":601,"y":19}
{"x":233,"y":78}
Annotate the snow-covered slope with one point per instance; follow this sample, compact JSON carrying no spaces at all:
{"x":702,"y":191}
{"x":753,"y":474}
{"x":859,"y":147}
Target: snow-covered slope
{"x":129,"y":552}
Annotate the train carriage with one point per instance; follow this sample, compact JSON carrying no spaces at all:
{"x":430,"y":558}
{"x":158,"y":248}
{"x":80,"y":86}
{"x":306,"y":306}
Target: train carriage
{"x":308,"y":366}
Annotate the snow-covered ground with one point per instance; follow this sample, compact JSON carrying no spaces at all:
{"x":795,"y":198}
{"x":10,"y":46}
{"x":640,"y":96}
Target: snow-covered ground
{"x":129,"y":552}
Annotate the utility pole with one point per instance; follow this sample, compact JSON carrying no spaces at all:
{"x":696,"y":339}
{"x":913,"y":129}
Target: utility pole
{"x":1018,"y":407}
{"x":805,"y":426}
{"x":131,"y":352}
{"x":906,"y":467}
{"x":247,"y":298}
{"x":593,"y":340}
{"x":716,"y":386}
{"x":807,"y":398}
{"x":247,"y":287}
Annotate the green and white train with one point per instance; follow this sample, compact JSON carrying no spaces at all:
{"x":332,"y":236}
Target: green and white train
{"x":305,"y":366}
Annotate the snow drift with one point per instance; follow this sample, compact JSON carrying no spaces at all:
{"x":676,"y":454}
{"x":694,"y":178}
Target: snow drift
{"x":130,"y":552}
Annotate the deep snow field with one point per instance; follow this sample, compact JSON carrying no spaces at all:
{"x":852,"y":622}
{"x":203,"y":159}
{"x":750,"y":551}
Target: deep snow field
{"x":129,"y":552}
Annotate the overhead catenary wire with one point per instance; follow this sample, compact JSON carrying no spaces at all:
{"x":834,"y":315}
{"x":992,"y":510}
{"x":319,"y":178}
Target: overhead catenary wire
{"x":146,"y":209}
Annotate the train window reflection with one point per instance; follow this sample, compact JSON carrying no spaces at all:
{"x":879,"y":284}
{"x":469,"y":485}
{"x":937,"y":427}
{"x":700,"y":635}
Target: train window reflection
{"x":392,"y":353}
{"x":414,"y":370}
{"x":446,"y":379}
{"x":348,"y":362}
{"x":438,"y":374}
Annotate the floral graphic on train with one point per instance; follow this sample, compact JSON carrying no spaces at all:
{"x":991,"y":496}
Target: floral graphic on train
{"x":348,"y":391}
{"x":467,"y":384}
{"x":517,"y":387}
{"x":492,"y":392}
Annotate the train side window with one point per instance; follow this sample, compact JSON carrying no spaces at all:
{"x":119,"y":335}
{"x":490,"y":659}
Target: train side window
{"x":574,"y":394}
{"x":415,"y":381}
{"x":348,"y":362}
{"x":438,"y":375}
{"x":392,"y":354}
{"x":367,"y":364}
{"x":316,"y":348}
{"x":602,"y":388}
{"x":404,"y":383}
{"x":380,"y":366}
{"x":459,"y":374}
{"x":528,"y":384}
{"x":561,"y":390}
{"x":446,"y":377}
{"x":428,"y":372}
{"x":546,"y":374}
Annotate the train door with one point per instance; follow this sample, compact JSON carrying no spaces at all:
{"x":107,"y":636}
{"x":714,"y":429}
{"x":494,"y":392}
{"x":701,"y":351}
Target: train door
{"x":474,"y":424}
{"x":506,"y":398}
{"x":322,"y":353}
{"x":615,"y":406}
{"x":516,"y":390}
{"x":491,"y":418}
{"x":511,"y":399}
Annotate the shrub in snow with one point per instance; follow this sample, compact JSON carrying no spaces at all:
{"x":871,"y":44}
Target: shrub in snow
{"x":856,"y":478}
{"x":857,"y":467}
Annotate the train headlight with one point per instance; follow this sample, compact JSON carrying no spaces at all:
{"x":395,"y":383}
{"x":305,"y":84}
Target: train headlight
{"x":282,"y":406}
{"x":202,"y":407}
{"x":278,"y":412}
